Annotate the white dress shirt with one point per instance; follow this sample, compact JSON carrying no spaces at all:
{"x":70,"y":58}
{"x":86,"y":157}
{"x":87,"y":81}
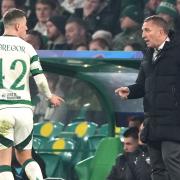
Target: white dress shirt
{"x":157,"y":50}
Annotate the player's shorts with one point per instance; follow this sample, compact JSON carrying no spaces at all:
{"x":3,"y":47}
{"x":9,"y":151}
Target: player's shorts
{"x":16,"y":125}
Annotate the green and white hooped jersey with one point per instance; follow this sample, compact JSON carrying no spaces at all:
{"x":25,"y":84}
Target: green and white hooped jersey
{"x":18,"y":60}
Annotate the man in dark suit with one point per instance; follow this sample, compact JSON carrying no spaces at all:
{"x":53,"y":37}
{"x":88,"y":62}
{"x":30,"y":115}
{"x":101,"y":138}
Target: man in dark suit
{"x":158,"y":83}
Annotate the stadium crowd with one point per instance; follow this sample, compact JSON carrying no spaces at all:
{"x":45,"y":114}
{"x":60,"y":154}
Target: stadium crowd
{"x":95,"y":25}
{"x":91,"y":24}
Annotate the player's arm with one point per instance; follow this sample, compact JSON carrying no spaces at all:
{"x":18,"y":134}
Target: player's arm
{"x":41,"y":81}
{"x":43,"y":88}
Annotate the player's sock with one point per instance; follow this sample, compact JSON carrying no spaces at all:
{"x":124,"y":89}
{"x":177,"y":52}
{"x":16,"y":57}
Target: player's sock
{"x":6,"y":173}
{"x":32,"y":169}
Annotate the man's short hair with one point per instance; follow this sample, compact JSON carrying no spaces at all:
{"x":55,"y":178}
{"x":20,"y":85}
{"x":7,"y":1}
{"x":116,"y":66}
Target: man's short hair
{"x":50,"y":3}
{"x":12,"y":15}
{"x":159,"y":21}
{"x":102,"y":43}
{"x":137,"y":118}
{"x":131,"y":132}
{"x":78,"y":21}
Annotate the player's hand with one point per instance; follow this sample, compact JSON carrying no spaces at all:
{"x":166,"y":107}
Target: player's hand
{"x":56,"y":100}
{"x":123,"y":92}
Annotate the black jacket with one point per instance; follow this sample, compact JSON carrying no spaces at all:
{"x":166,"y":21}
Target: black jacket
{"x":132,"y":166}
{"x":98,"y":20}
{"x":159,"y":83}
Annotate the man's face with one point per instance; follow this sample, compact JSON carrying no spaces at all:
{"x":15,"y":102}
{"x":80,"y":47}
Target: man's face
{"x":94,"y":46}
{"x":152,"y":4}
{"x":22,"y":27}
{"x":73,"y":33}
{"x":43,"y":12}
{"x":130,"y":144}
{"x":6,"y":5}
{"x":92,"y":5}
{"x":52,"y":31}
{"x":126,"y":23}
{"x":152,"y":33}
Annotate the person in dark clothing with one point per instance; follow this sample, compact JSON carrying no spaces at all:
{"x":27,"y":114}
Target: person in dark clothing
{"x":134,"y":163}
{"x":36,"y":39}
{"x":159,"y":83}
{"x":76,"y":33}
{"x":135,"y":121}
{"x":97,"y":15}
{"x":56,"y":33}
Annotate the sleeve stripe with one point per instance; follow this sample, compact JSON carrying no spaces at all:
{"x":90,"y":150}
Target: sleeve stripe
{"x":34,"y":58}
{"x":36,"y":72}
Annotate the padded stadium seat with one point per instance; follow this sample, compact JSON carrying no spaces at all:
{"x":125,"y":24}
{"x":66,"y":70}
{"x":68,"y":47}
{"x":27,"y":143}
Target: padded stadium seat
{"x":93,"y":143}
{"x":104,"y":129}
{"x":82,"y":129}
{"x":54,"y":167}
{"x":36,"y":143}
{"x":48,"y":129}
{"x":58,"y":127}
{"x":62,"y":150}
{"x":39,"y":142}
{"x":117,"y":131}
{"x":99,"y":166}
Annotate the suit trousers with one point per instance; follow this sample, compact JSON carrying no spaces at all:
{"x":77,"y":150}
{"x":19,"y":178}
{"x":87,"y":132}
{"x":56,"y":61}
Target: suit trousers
{"x":165,"y":160}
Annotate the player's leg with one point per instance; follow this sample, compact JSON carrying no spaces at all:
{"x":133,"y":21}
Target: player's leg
{"x":6,"y":143}
{"x":23,"y":141}
{"x":5,"y":164}
{"x":30,"y":166}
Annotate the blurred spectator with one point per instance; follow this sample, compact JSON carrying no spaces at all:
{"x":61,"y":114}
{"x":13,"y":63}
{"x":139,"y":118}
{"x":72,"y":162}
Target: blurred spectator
{"x":35,"y":38}
{"x":31,"y":14}
{"x":56,"y":32}
{"x":133,"y":47}
{"x":44,"y":10}
{"x":96,"y":14}
{"x":138,"y":3}
{"x":150,"y":7}
{"x":102,"y":34}
{"x":82,"y":47}
{"x":130,"y":22}
{"x":135,"y":121}
{"x":167,"y":10}
{"x":98,"y":44}
{"x":115,"y":6}
{"x":21,"y":4}
{"x":6,"y":5}
{"x":134,"y":163}
{"x":178,"y":6}
{"x":71,"y":5}
{"x":75,"y":32}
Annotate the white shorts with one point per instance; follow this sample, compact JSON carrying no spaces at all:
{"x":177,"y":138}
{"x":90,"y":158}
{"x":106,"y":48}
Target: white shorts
{"x":16,"y":125}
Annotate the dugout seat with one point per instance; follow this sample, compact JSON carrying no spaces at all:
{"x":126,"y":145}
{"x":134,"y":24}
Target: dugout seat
{"x":82,"y":129}
{"x":104,"y":129}
{"x":60,"y":153}
{"x":99,"y":166}
{"x":93,"y":143}
{"x":48,"y":129}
